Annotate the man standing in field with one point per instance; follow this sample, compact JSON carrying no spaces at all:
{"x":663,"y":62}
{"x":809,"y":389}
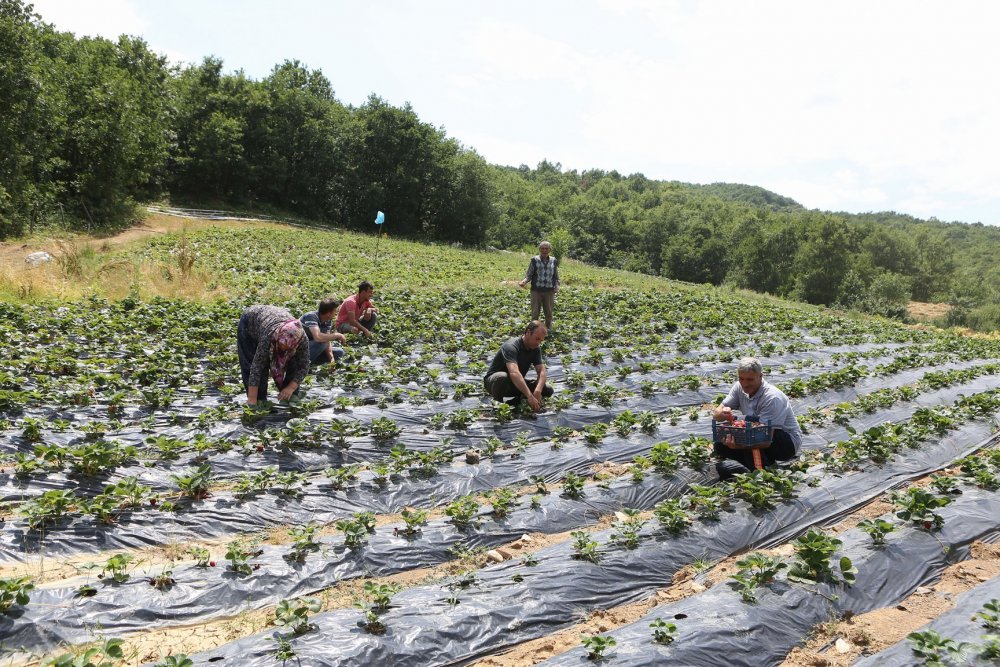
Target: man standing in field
{"x":759,"y":401}
{"x":358,"y":314}
{"x":505,"y":377}
{"x":543,"y":274}
{"x":317,"y":325}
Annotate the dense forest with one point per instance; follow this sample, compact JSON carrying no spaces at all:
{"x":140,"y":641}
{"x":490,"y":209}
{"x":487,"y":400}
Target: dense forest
{"x":89,"y":127}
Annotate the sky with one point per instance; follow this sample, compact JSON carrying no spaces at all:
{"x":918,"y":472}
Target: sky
{"x":851,"y":106}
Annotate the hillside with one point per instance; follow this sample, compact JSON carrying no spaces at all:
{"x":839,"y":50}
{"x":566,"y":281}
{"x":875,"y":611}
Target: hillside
{"x":393,"y":514}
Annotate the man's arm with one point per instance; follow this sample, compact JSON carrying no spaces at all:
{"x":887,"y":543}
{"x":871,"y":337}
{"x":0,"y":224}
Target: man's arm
{"x":555,"y":274}
{"x":514,"y":373}
{"x":529,"y":273}
{"x":321,"y":337}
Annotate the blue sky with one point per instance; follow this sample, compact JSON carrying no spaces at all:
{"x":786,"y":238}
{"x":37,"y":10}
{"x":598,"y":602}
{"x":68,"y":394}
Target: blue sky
{"x":848,"y":106}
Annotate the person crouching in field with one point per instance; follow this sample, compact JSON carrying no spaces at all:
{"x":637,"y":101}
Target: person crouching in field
{"x":358,"y":314}
{"x":505,"y":377}
{"x":759,"y":401}
{"x":321,"y":340}
{"x":270,"y":341}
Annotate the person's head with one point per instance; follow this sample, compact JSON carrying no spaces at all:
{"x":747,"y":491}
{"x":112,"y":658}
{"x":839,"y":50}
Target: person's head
{"x":328,"y":308}
{"x":751,"y":374}
{"x":534,"y":334}
{"x":544,"y":248}
{"x":288,"y":336}
{"x":366,"y":289}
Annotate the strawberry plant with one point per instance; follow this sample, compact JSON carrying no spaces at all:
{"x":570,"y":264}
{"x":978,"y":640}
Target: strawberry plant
{"x":238,"y":554}
{"x":627,"y":530}
{"x":640,"y":464}
{"x":117,"y":567}
{"x":47,"y":508}
{"x":129,"y":492}
{"x":355,"y":532}
{"x":990,"y":615}
{"x":341,"y":477}
{"x":573,"y":485}
{"x":502,"y":499}
{"x":671,"y":515}
{"x":414,"y":519}
{"x":813,"y":552}
{"x":756,"y":570}
{"x":918,"y":505}
{"x":195,"y":484}
{"x":877,"y":529}
{"x":383,"y":429}
{"x":162,"y":581}
{"x":706,"y":501}
{"x":584,"y":548}
{"x":201,"y":555}
{"x":624,"y":423}
{"x":303,"y":541}
{"x":935,"y":649}
{"x":594,"y":433}
{"x":462,"y":511}
{"x":107,"y":654}
{"x":294,"y":614}
{"x":179,"y":660}
{"x":596,"y":645}
{"x":14,"y":590}
{"x":665,"y":458}
{"x":695,"y":452}
{"x":663,"y":631}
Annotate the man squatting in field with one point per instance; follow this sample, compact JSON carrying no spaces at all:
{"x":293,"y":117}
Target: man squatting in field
{"x":269,"y":340}
{"x":505,"y":377}
{"x":543,"y":274}
{"x":318,"y":325}
{"x":759,"y":401}
{"x":358,"y":314}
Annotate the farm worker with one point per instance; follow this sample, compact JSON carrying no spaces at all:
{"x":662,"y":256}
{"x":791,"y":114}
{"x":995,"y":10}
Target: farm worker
{"x":318,"y":325}
{"x":759,"y":401}
{"x":505,"y":377}
{"x":357,"y":313}
{"x":543,"y":274}
{"x":270,"y":341}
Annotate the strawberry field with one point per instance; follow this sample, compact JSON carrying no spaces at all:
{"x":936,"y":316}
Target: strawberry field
{"x":393,"y":515}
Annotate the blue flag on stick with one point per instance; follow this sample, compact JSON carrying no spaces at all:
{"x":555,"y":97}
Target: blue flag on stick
{"x":380,"y":218}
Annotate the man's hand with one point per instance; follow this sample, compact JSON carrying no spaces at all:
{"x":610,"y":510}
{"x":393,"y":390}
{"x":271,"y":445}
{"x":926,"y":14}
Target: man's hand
{"x":723,"y":413}
{"x":522,"y":283}
{"x":285,"y":394}
{"x":340,"y":338}
{"x":729,"y":442}
{"x":534,"y":402}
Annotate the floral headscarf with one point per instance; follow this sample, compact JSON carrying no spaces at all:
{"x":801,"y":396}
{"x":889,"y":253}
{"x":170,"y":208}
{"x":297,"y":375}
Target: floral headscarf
{"x":284,"y":343}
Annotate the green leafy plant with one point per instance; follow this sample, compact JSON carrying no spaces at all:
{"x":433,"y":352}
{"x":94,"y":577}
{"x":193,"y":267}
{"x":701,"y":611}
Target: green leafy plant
{"x":195,"y":484}
{"x":917,"y":506}
{"x":990,"y":614}
{"x":877,"y":529}
{"x":117,"y":567}
{"x":813,"y":553}
{"x":935,"y":649}
{"x":179,"y":660}
{"x":573,"y":485}
{"x":664,"y":632}
{"x":414,"y":519}
{"x":303,"y":541}
{"x":672,"y":516}
{"x":294,"y":614}
{"x":462,"y":511}
{"x":756,"y":570}
{"x":14,"y":590}
{"x":106,"y":655}
{"x":597,"y":645}
{"x":502,"y":499}
{"x":585,"y":548}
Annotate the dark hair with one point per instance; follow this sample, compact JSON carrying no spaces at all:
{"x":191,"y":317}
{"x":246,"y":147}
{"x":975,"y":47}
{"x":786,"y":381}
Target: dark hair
{"x":365,"y":286}
{"x":328,"y":304}
{"x":532,"y":325}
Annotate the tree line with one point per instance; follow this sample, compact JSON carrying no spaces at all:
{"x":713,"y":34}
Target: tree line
{"x":90,"y":126}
